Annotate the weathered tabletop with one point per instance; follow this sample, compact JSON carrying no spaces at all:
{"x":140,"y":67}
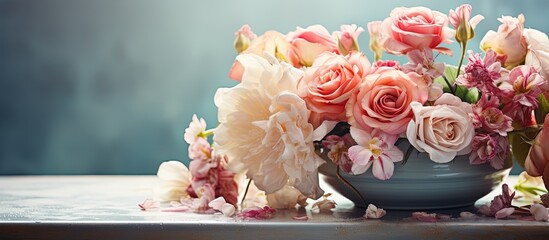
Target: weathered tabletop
{"x":105,"y":207}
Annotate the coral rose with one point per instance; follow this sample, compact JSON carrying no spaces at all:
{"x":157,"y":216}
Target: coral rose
{"x":328,"y":84}
{"x":383,"y":100}
{"x":443,"y":130}
{"x":415,"y":28}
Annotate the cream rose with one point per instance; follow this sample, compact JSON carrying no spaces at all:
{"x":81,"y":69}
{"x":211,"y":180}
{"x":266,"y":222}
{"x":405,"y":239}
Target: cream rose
{"x":443,"y":130}
{"x":415,"y":28}
{"x":328,"y":84}
{"x":264,"y":129}
{"x":508,"y":41}
{"x":382,"y":101}
{"x":538,"y":55}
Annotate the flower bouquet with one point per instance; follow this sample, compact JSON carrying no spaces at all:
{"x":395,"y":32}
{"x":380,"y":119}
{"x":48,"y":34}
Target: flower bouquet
{"x":309,"y":97}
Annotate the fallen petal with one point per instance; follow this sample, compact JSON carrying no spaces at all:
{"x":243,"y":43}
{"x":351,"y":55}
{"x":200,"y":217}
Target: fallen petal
{"x":467,"y":215}
{"x":539,"y":212}
{"x":148,"y":204}
{"x":373,"y":212}
{"x":301,"y":218}
{"x":228,"y":209}
{"x":217,"y":203}
{"x":504,"y":212}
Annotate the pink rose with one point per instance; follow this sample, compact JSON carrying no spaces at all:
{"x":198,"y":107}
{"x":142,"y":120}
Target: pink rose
{"x":328,"y":84}
{"x":415,"y":28}
{"x":536,"y":161}
{"x":443,"y":130}
{"x":508,"y":41}
{"x":383,"y":100}
{"x":347,"y":38}
{"x":311,"y":42}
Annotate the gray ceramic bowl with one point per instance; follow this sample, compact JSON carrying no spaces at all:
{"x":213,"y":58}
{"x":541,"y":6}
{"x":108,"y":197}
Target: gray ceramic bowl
{"x":420,"y":183}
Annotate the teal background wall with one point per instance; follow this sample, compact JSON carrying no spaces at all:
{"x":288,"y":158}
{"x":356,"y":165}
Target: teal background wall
{"x":108,"y":86}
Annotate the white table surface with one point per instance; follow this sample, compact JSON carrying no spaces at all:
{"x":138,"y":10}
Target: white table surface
{"x":105,"y":207}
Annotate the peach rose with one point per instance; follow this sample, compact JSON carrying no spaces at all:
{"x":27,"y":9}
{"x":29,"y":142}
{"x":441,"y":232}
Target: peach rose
{"x":328,"y":84}
{"x":271,"y":42}
{"x":443,"y":130}
{"x":508,"y":41}
{"x":310,"y":42}
{"x":415,"y":28}
{"x":383,"y":100}
{"x":536,"y":161}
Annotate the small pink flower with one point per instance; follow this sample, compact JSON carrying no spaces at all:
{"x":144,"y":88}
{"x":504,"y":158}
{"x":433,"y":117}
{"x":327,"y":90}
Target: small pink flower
{"x":492,"y":148}
{"x":347,"y":38}
{"x":373,"y":212}
{"x":310,"y":42}
{"x":482,"y":73}
{"x":415,"y":28}
{"x":377,"y":149}
{"x":488,"y":116}
{"x":423,"y":63}
{"x":195,"y":129}
{"x":520,"y":93}
{"x":200,"y":149}
{"x":338,"y":147}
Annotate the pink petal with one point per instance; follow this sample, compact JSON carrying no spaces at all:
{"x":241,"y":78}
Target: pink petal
{"x":504,"y":213}
{"x":301,"y":218}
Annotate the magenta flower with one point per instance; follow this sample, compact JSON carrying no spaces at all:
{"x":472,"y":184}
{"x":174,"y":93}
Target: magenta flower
{"x":500,"y":206}
{"x":492,"y":148}
{"x":488,"y":116}
{"x":521,"y":93}
{"x":338,"y":147}
{"x":377,"y":149}
{"x":482,"y":73}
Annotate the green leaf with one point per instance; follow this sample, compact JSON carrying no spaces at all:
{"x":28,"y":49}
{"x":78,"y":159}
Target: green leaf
{"x":450,"y":73}
{"x":542,"y":110}
{"x":521,"y":143}
{"x":520,"y":149}
{"x":472,"y":96}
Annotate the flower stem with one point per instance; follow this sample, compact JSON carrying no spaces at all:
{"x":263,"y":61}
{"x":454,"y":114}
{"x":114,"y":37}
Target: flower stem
{"x":246,"y":192}
{"x":463,"y":49}
{"x":349,"y":185}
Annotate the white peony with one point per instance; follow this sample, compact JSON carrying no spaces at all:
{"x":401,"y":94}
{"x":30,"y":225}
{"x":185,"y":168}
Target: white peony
{"x":264,"y":127}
